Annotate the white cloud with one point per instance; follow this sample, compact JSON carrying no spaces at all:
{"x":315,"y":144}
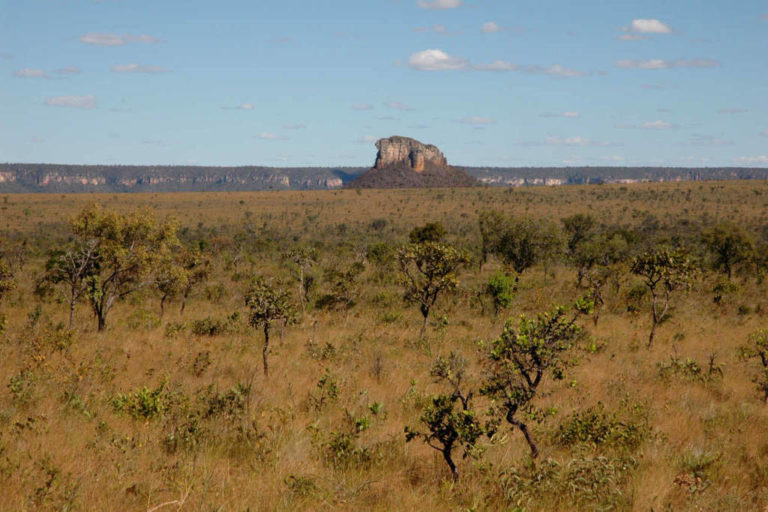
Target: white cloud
{"x":141,"y":38}
{"x":439,"y":4}
{"x":296,"y":126}
{"x":559,"y":71}
{"x":362,"y":107}
{"x":368,"y":139}
{"x":491,"y":27}
{"x":764,"y":133}
{"x":102,"y":39}
{"x":30,"y":73}
{"x":69,"y":71}
{"x":497,"y":65}
{"x":762,"y":159}
{"x":137,"y":68}
{"x":650,"y":125}
{"x":478,"y":120}
{"x":242,"y":106}
{"x":85,"y":102}
{"x":438,"y":60}
{"x":435,"y":60}
{"x":106,"y":39}
{"x":270,"y":136}
{"x":567,"y":141}
{"x":398,"y":106}
{"x":666,"y":64}
{"x":649,"y":26}
{"x":632,"y":37}
{"x":567,"y":115}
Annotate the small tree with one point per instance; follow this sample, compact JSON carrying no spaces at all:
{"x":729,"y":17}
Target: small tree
{"x":578,"y":229}
{"x":303,"y":258}
{"x":448,"y":417}
{"x":198,"y":268}
{"x":522,"y":356}
{"x":519,"y":242}
{"x":128,"y":249}
{"x":171,"y":280}
{"x":757,"y":348}
{"x":72,"y":267}
{"x":501,"y":288}
{"x":428,"y":269}
{"x":664,"y":271}
{"x":430,"y":232}
{"x":267,"y":304}
{"x":729,"y":245}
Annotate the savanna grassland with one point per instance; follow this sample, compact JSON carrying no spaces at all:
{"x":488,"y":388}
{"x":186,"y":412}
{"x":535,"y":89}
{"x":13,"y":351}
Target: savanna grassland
{"x":168,"y":406}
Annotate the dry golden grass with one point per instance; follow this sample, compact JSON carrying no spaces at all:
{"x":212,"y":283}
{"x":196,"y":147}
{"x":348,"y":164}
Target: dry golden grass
{"x":64,"y":447}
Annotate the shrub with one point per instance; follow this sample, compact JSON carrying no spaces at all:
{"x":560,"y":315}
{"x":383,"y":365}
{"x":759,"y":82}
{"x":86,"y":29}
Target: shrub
{"x":22,"y":387}
{"x":600,"y":428}
{"x":143,"y":404}
{"x":210,"y":326}
{"x":143,"y":319}
{"x":582,"y":483}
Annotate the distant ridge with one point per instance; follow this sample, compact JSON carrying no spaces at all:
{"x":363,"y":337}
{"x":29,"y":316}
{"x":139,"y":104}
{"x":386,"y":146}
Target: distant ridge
{"x":63,"y":178}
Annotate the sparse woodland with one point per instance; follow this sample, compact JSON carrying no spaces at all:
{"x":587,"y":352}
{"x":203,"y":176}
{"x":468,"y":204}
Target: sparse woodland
{"x":571,"y":348}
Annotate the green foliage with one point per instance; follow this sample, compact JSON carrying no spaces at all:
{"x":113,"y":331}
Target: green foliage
{"x":520,"y":358}
{"x":381,"y":254}
{"x":501,"y":288}
{"x":127,"y":249}
{"x":449,"y":419}
{"x":327,"y":390}
{"x":429,"y":269}
{"x":603,"y":429}
{"x":143,"y":404}
{"x":664,"y":271}
{"x":578,"y":229}
{"x":430,"y":232}
{"x":519,"y":242}
{"x":343,"y":287}
{"x":729,"y":245}
{"x":267,"y":303}
{"x":593,"y":483}
{"x":210,"y":326}
{"x":689,"y":369}
{"x":22,"y":387}
{"x":757,"y":348}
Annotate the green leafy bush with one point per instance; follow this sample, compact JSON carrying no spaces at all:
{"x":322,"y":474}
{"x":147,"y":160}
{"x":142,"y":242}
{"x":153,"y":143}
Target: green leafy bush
{"x":143,"y":404}
{"x":600,"y":428}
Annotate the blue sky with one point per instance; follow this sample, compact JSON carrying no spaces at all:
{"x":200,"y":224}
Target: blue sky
{"x":316,"y":82}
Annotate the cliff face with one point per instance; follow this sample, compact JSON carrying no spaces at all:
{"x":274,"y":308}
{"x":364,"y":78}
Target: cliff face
{"x":82,"y":178}
{"x":405,"y":152}
{"x":402,"y":162}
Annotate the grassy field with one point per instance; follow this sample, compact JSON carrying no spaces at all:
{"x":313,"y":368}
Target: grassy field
{"x":173,"y":412}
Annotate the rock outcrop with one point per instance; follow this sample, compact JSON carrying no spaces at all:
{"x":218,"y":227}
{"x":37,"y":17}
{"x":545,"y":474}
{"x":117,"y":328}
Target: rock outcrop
{"x":402,"y":151}
{"x":403,"y":162}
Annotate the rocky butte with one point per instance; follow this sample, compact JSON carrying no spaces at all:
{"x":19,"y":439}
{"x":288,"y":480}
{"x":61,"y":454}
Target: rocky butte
{"x":402,"y":162}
